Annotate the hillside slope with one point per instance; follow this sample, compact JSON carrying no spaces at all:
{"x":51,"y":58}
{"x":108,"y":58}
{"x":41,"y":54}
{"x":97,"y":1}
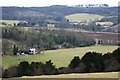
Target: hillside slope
{"x":51,"y":12}
{"x":59,"y":57}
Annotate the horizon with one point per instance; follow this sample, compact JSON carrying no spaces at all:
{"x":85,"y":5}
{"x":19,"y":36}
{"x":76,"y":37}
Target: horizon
{"x":45,"y":3}
{"x":56,"y":5}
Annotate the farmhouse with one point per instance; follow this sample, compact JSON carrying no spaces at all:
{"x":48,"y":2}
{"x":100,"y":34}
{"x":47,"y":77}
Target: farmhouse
{"x":30,"y":51}
{"x":33,"y":51}
{"x":50,"y":25}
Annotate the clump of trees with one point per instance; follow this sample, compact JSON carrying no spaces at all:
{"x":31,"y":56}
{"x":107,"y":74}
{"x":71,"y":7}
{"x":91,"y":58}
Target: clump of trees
{"x":91,"y":26}
{"x":110,"y":19}
{"x":43,"y":39}
{"x":89,"y":63}
{"x":95,"y":62}
{"x":33,"y":69}
{"x":108,"y":42}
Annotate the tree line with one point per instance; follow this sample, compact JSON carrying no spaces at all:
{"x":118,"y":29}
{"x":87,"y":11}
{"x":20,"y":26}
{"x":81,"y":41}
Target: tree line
{"x":89,"y":63}
{"x":43,"y":39}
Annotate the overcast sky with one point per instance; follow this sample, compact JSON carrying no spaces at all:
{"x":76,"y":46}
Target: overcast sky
{"x":29,"y":3}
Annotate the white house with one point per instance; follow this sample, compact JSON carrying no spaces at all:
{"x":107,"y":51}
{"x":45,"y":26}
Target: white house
{"x":33,"y":51}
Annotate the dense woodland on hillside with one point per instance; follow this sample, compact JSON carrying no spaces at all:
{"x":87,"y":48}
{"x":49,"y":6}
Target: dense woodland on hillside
{"x":55,"y":13}
{"x":89,"y":63}
{"x":42,"y":39}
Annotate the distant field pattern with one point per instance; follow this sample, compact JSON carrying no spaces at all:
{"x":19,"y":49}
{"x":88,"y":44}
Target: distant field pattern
{"x":83,"y":17}
{"x":8,"y":22}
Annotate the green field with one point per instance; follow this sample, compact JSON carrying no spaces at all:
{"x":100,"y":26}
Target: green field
{"x":9,"y":22}
{"x":61,"y":57}
{"x":83,"y":17}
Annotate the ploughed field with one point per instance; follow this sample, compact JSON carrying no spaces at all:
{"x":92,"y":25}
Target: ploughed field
{"x":99,"y":35}
{"x":60,"y":57}
{"x":104,"y":35}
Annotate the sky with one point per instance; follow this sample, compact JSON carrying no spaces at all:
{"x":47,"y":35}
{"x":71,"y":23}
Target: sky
{"x":40,"y":3}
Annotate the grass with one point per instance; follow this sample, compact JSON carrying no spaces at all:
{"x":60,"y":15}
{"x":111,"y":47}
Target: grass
{"x":60,"y":58}
{"x":83,"y":17}
{"x":73,"y":76}
{"x":79,"y":75}
{"x":9,"y":22}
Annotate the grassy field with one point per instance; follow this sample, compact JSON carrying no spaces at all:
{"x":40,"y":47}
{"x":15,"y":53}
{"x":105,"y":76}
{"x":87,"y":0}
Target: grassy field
{"x":83,"y":17}
{"x":9,"y":22}
{"x":61,"y":57}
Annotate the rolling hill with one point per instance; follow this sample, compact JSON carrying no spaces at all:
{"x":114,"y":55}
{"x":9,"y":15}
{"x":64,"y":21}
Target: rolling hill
{"x":60,"y":57}
{"x":52,"y":12}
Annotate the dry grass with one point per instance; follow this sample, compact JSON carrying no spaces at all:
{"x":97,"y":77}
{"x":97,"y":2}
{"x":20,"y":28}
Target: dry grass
{"x":83,"y":75}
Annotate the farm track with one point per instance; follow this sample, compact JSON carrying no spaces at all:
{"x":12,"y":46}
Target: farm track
{"x":83,"y":76}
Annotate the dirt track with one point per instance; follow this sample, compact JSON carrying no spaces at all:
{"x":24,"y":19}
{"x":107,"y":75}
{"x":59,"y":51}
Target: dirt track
{"x":85,"y":76}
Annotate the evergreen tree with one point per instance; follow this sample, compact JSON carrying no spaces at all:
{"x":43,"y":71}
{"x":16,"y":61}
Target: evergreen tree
{"x":24,"y":69}
{"x":15,"y":49}
{"x":75,"y":62}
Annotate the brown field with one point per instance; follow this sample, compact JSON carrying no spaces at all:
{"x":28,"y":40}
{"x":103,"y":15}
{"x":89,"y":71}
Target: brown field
{"x":99,"y":35}
{"x":103,"y":35}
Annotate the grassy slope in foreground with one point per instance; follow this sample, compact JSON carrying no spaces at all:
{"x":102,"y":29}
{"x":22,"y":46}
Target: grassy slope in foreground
{"x":61,"y":57}
{"x":83,"y":17}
